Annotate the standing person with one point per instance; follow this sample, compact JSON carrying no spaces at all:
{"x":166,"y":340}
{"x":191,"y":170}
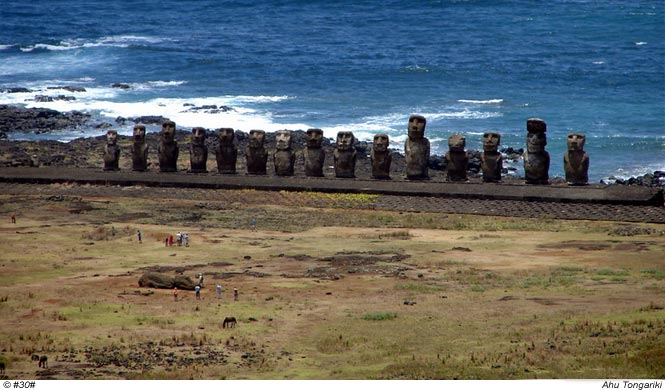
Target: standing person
{"x":166,"y":241}
{"x":201,"y":279}
{"x":235,"y":294}
{"x":219,"y":291}
{"x":197,"y":289}
{"x":138,"y":234}
{"x":13,"y":218}
{"x":171,"y":240}
{"x":175,"y":294}
{"x":185,"y":239}
{"x":178,"y":239}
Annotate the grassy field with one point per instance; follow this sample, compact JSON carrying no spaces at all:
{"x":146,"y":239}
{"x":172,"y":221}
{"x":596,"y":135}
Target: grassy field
{"x":328,"y":290}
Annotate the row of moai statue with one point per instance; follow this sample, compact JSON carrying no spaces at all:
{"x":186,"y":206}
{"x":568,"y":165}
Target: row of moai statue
{"x":416,"y":148}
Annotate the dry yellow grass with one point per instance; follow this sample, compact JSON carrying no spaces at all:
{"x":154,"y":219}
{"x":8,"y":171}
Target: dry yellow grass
{"x":352,"y":300}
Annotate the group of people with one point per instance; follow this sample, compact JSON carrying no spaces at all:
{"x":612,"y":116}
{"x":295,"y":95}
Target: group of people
{"x":199,"y":286}
{"x":181,"y":239}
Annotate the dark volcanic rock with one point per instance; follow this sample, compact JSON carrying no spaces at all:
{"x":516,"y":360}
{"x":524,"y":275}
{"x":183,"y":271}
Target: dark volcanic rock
{"x":120,"y":85}
{"x":149,"y":119}
{"x":16,"y":90}
{"x":39,"y":120}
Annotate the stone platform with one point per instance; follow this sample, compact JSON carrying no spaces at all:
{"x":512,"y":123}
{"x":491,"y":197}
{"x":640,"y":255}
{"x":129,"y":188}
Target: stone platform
{"x":595,"y":202}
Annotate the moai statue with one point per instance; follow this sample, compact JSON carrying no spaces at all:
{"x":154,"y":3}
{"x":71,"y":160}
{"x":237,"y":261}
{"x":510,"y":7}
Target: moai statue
{"x":314,"y":153}
{"x":198,"y":151}
{"x":345,"y":155}
{"x":256,"y":153}
{"x":491,"y":160}
{"x":111,"y":151}
{"x":284,"y":158}
{"x":168,"y":148}
{"x":381,"y":157}
{"x":576,"y":161}
{"x":536,"y":159}
{"x":139,"y":150}
{"x":227,"y":152}
{"x":457,"y":161}
{"x":416,"y":149}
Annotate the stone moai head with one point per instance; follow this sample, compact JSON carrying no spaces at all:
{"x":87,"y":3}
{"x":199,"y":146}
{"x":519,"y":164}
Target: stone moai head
{"x":139,"y":134}
{"x":456,"y":143}
{"x":417,"y":127}
{"x":111,"y":137}
{"x":536,"y":140}
{"x":198,"y":136}
{"x":256,"y":139}
{"x":226,"y":136}
{"x":314,"y":138}
{"x":168,"y":132}
{"x":576,"y":142}
{"x":491,"y":142}
{"x":283,"y":140}
{"x":380,"y":143}
{"x":345,"y":140}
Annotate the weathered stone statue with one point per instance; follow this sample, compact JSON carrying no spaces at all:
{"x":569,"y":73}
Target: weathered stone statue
{"x":284,"y":158}
{"x":256,"y":153}
{"x":536,"y":159}
{"x":576,"y":161}
{"x":314,"y":153}
{"x":227,"y":152}
{"x":111,"y":151}
{"x":381,"y":157}
{"x":168,"y":148}
{"x":457,"y":161}
{"x":491,"y":160}
{"x":139,"y":150}
{"x":198,"y":151}
{"x":416,"y":149}
{"x":345,"y":155}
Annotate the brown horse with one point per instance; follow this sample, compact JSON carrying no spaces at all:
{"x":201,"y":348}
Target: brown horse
{"x":229,"y":322}
{"x":43,"y":361}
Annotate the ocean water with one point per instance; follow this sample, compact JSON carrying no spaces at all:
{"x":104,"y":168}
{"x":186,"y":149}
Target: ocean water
{"x":595,"y":67}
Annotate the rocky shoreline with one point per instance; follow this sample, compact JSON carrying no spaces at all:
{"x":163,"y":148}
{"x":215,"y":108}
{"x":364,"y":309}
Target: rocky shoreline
{"x":86,"y":152}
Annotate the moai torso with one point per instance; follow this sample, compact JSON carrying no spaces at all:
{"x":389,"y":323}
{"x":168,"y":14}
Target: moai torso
{"x":576,"y":160}
{"x":491,"y":161}
{"x":198,"y":151}
{"x":315,"y":156}
{"x":457,"y":160}
{"x":139,"y":150}
{"x":168,"y":148}
{"x":345,"y":155}
{"x":256,"y":154}
{"x":416,"y":149}
{"x":381,"y":157}
{"x":227,"y":152}
{"x":536,"y":159}
{"x":111,"y":151}
{"x":284,"y":158}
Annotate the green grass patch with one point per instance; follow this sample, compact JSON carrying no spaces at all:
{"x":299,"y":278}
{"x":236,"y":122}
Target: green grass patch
{"x":379,"y":316}
{"x":418,"y":288}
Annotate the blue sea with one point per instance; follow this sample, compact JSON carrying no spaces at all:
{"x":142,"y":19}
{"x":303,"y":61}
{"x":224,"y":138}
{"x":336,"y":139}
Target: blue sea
{"x":594,"y":67}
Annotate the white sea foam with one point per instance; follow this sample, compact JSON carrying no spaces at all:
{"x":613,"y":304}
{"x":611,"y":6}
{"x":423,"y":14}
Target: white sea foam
{"x":121,"y":41}
{"x":641,"y":43}
{"x":464,"y":114}
{"x":5,"y":47}
{"x":490,"y":101}
{"x":599,"y":62}
{"x":157,"y":84}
